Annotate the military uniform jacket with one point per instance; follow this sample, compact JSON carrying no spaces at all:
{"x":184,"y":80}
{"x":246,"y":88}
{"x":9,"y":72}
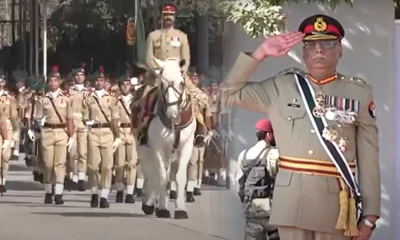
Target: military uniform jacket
{"x":77,"y":97}
{"x":92,"y":111}
{"x":62,"y":103}
{"x":163,"y":44}
{"x":123,"y":107}
{"x":9,"y":109}
{"x":301,"y":200}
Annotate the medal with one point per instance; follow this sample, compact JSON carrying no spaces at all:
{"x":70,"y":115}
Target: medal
{"x":343,"y":144}
{"x":320,"y":100}
{"x":331,"y":114}
{"x":318,"y":112}
{"x":329,"y":134}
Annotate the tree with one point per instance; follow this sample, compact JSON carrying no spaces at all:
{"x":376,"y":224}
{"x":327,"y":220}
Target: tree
{"x":260,"y":18}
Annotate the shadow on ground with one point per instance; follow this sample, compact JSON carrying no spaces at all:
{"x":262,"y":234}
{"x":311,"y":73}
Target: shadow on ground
{"x":92,"y":214}
{"x":24,"y":186}
{"x":18,"y":168}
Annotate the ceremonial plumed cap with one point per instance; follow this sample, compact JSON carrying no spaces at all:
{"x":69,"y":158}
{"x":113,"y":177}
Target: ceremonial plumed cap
{"x":321,"y":27}
{"x":125,"y":78}
{"x":80,"y":69}
{"x":55,"y":73}
{"x":98,"y":74}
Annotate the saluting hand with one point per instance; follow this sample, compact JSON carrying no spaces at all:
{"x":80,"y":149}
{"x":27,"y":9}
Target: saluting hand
{"x":278,"y":45}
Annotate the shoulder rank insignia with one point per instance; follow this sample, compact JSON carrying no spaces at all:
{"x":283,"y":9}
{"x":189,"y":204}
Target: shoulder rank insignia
{"x":292,"y":70}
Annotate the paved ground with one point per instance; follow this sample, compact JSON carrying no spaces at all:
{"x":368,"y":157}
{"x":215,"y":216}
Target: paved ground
{"x":215,"y":215}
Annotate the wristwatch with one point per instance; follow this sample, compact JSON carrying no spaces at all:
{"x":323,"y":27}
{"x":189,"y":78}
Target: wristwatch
{"x":369,"y":224}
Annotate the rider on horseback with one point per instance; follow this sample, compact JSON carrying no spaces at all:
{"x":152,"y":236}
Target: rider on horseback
{"x":162,"y":44}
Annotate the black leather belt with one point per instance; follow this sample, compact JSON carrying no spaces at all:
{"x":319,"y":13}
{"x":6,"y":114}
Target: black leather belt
{"x":101,"y":125}
{"x":59,"y":125}
{"x":125,"y":125}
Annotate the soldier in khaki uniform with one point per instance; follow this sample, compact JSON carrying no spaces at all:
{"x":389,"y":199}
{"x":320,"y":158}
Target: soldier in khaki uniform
{"x":9,"y":125}
{"x":306,"y":203}
{"x":126,"y":154}
{"x":78,"y":155}
{"x":101,"y":116}
{"x":195,"y":166}
{"x":162,"y":44}
{"x":54,"y":111}
{"x":33,"y":151}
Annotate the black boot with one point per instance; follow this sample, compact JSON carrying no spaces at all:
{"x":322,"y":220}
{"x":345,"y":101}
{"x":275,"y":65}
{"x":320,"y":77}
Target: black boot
{"x":58,"y":199}
{"x":172,"y":195}
{"x":94,"y":202}
{"x":3,"y":189}
{"x":48,"y":198}
{"x":189,"y":197}
{"x":119,"y":198}
{"x":36,"y":176}
{"x":129,"y":198}
{"x":81,"y":186}
{"x":139,"y":192}
{"x":104,"y":203}
{"x":197,"y":192}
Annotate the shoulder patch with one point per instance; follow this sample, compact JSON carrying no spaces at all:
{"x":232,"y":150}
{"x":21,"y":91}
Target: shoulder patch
{"x":371,"y":109}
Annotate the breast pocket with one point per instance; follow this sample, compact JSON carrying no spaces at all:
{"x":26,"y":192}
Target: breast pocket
{"x":293,"y":117}
{"x":157,"y":43}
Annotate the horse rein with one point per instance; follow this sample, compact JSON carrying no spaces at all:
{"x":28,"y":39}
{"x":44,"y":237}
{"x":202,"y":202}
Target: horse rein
{"x":163,"y":93}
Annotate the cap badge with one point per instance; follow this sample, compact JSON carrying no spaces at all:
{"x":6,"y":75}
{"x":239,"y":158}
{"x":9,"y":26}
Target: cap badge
{"x":320,"y":25}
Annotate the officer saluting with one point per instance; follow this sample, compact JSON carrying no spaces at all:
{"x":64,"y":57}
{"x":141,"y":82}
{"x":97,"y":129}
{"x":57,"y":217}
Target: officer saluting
{"x":54,"y":111}
{"x":325,"y":128}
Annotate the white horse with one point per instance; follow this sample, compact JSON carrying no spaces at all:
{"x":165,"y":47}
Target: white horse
{"x":170,"y":138}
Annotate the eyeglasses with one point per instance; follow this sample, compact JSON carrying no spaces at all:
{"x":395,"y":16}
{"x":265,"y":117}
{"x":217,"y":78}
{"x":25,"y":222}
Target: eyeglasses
{"x":321,"y":44}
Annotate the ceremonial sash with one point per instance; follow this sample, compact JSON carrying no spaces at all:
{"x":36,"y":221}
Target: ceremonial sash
{"x":331,"y":148}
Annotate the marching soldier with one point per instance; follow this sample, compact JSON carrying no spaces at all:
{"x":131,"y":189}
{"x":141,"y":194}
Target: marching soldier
{"x":162,"y":44}
{"x":22,"y":93}
{"x":55,"y":114}
{"x":137,"y":93}
{"x":78,"y":154}
{"x":325,"y":127}
{"x":8,"y":125}
{"x":126,"y":155}
{"x":33,"y":150}
{"x":101,"y":117}
{"x":195,"y":166}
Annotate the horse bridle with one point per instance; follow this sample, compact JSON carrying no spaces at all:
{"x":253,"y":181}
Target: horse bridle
{"x":163,"y":92}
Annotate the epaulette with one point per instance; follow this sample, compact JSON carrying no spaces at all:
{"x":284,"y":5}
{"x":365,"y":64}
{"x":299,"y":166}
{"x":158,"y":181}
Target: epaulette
{"x":355,"y":80}
{"x":292,"y":70}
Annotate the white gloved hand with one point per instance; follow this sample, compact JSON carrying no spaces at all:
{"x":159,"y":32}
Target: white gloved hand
{"x":16,"y":152}
{"x":215,"y":134}
{"x":273,"y":162}
{"x":16,"y":135}
{"x":43,"y":120}
{"x":116,"y":143}
{"x":69,"y":143}
{"x":31,"y":135}
{"x":231,"y":135}
{"x":6,"y":144}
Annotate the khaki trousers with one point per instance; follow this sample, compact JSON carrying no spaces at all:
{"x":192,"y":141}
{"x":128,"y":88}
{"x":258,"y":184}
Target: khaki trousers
{"x":293,"y":233}
{"x":78,"y":154}
{"x":139,"y":171}
{"x":195,"y":166}
{"x":54,"y":149}
{"x":126,"y":158}
{"x":100,"y":153}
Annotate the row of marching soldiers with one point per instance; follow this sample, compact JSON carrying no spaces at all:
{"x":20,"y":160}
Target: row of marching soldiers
{"x":83,"y":131}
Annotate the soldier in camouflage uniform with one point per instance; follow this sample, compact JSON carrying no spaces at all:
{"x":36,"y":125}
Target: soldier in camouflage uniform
{"x":257,"y":168}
